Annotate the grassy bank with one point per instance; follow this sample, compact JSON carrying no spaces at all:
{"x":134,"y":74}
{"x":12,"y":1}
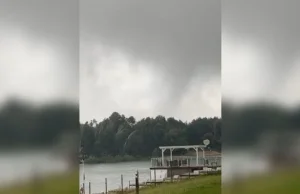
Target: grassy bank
{"x":210,"y":184}
{"x":115,"y":159}
{"x":204,"y":185}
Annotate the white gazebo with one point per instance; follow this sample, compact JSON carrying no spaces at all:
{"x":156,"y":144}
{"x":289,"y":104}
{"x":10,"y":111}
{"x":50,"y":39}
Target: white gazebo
{"x":172,"y":148}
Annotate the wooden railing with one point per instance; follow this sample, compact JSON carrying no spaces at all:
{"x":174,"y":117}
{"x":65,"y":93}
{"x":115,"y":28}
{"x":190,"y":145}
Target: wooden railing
{"x":182,"y":161}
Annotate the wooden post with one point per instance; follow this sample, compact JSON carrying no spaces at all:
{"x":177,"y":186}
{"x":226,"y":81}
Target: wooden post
{"x":137,"y":189}
{"x":90,"y":189}
{"x":105,"y":185}
{"x":122,"y":183}
{"x":83,"y":185}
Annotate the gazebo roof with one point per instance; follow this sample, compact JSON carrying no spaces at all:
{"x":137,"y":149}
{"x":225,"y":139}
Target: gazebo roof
{"x":182,"y":147}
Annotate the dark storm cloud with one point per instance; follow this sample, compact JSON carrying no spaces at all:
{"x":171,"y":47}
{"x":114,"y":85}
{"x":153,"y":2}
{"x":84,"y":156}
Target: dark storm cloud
{"x":178,"y":36}
{"x":54,"y":21}
{"x":182,"y":39}
{"x":271,"y":22}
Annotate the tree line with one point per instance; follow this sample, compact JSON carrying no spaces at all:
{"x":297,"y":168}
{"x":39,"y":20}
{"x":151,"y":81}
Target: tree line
{"x":118,"y":135}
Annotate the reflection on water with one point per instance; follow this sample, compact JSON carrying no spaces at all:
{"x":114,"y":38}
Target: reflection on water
{"x":20,"y":166}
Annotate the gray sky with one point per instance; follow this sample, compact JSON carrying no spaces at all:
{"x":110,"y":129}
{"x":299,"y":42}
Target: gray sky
{"x":150,"y":58}
{"x":39,"y":50}
{"x":145,"y":58}
{"x":261,"y":51}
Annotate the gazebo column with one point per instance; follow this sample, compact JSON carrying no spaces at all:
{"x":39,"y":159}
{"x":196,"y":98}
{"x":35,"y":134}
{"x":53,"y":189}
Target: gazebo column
{"x":162,"y":156}
{"x":203,"y":153}
{"x":171,"y":151}
{"x":197,"y":154}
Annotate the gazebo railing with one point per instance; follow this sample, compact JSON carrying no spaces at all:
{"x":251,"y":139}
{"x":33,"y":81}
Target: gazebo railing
{"x":183,"y":161}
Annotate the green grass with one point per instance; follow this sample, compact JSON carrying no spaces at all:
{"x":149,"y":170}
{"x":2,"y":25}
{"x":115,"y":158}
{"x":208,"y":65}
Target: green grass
{"x":285,"y":182}
{"x":68,"y":184}
{"x":210,"y":184}
{"x":65,"y":184}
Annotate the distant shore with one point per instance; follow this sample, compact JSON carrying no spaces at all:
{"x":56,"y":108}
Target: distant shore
{"x":114,"y":159}
{"x":129,"y":158}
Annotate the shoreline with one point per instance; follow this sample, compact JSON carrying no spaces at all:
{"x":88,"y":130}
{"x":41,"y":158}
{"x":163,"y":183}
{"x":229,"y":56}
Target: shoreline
{"x":114,"y":159}
{"x":129,"y":158}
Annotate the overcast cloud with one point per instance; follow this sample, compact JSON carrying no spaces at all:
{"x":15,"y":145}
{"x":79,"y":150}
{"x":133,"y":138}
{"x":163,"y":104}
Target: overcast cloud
{"x":145,"y":58}
{"x":39,"y":50}
{"x":260,"y":51}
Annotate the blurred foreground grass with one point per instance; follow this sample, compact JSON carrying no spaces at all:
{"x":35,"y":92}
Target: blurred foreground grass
{"x":283,"y":182}
{"x":67,"y":183}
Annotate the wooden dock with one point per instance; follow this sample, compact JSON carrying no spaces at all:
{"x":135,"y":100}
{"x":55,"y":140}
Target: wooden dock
{"x":147,"y":183}
{"x":199,"y":167}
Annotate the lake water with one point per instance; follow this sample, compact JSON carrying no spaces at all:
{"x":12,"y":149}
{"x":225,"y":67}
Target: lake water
{"x":96,"y":174}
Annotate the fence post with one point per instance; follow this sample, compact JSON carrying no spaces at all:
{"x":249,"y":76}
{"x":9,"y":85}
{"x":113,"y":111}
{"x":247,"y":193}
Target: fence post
{"x":155,"y":177}
{"x":105,"y":185}
{"x":83,"y":186}
{"x":90,"y":190}
{"x":122,"y":183}
{"x":137,"y":189}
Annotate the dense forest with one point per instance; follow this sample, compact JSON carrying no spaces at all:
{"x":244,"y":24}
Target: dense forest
{"x":119,"y":135}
